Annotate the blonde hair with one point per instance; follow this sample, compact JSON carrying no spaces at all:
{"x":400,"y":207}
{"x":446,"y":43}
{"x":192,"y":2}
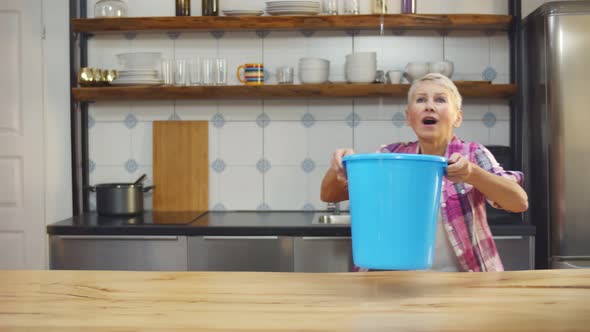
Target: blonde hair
{"x":442,"y":80}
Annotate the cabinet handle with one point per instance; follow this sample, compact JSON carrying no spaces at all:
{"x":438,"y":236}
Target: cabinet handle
{"x":509,"y":237}
{"x":240,"y":237}
{"x":323,"y":238}
{"x":116,"y":237}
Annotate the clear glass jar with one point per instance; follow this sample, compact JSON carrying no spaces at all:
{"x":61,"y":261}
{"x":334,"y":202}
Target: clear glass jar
{"x":379,"y":7}
{"x":110,"y":8}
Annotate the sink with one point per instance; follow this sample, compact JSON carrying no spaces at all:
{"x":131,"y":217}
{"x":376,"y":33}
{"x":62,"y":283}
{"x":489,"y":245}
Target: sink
{"x":333,"y":219}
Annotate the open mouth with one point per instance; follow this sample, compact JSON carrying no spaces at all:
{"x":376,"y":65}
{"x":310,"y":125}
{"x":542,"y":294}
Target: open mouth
{"x":429,"y":121}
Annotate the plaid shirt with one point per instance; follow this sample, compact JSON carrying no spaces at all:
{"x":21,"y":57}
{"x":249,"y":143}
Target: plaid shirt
{"x":463,"y":207}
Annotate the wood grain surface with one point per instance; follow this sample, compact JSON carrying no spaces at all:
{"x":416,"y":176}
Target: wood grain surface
{"x":313,"y":22}
{"x":549,"y":300}
{"x":468,"y":89}
{"x":181,"y":165}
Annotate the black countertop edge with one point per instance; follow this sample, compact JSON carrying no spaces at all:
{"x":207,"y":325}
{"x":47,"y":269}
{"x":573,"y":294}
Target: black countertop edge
{"x":249,"y":223}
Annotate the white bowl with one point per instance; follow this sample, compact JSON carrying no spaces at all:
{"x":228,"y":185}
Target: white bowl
{"x":361,"y":77}
{"x":139,"y":60}
{"x":313,"y":76}
{"x":442,"y":67}
{"x":314,"y":61}
{"x":415,"y":70}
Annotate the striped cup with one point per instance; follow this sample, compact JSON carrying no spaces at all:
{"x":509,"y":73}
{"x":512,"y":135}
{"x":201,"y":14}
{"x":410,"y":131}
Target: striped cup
{"x":253,"y":74}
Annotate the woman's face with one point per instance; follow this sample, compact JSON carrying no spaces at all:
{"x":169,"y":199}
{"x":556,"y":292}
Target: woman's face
{"x":431,"y":113}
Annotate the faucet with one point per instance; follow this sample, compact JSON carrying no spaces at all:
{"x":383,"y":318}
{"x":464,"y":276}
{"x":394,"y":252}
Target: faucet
{"x":334,"y":208}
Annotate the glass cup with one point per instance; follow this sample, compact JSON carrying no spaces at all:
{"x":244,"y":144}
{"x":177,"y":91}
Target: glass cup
{"x":285,"y":75}
{"x":220,"y":72}
{"x":180,"y":72}
{"x":352,"y":7}
{"x":208,"y":72}
{"x":194,"y":71}
{"x":168,"y":71}
{"x":331,"y":7}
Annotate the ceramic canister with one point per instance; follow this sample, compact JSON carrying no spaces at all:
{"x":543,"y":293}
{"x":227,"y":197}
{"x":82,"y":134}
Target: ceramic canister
{"x":253,"y":74}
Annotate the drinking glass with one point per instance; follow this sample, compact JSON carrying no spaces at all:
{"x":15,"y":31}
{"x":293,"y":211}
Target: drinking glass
{"x":220,"y":71}
{"x":168,"y":71}
{"x":351,"y":7}
{"x":331,"y":7}
{"x":180,"y":72}
{"x":208,"y":72}
{"x":194,"y":71}
{"x":285,"y":75}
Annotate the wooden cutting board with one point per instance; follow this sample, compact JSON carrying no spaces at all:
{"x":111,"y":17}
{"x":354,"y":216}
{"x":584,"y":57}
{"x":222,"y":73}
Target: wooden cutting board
{"x":181,"y":165}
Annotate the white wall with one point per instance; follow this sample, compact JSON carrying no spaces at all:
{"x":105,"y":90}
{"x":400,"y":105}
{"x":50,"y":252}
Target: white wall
{"x":273,"y":153}
{"x":58,"y":170}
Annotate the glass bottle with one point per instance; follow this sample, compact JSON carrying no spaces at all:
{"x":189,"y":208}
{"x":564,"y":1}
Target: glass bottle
{"x":183,"y":7}
{"x":210,"y":7}
{"x":110,"y":8}
{"x":408,"y":6}
{"x":379,"y":7}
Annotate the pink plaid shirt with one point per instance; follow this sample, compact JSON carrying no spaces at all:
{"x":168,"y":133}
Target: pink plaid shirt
{"x":463,"y":207}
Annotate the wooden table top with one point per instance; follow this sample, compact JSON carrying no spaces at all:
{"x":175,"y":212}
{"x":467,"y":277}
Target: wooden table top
{"x":89,"y":301}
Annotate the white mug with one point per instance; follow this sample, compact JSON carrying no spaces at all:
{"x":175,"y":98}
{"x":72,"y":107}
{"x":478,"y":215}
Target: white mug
{"x":395,"y":76}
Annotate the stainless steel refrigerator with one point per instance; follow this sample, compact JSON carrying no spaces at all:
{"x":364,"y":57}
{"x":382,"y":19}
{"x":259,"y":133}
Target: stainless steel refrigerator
{"x":556,"y":131}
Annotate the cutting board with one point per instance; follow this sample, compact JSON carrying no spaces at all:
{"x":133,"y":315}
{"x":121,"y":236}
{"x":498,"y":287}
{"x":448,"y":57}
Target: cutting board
{"x":180,"y":161}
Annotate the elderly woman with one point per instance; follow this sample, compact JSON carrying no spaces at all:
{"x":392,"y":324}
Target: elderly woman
{"x":464,"y":241}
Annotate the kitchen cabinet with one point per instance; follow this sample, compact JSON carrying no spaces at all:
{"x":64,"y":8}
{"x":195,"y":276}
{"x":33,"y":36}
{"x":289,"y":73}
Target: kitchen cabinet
{"x":234,"y":253}
{"x":517,"y":252}
{"x":240,"y":253}
{"x":322,"y":254}
{"x":100,"y":252}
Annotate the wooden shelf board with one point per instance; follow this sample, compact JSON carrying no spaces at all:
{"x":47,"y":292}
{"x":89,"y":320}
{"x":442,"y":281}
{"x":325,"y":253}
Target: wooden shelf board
{"x":473,"y":89}
{"x":315,"y":22}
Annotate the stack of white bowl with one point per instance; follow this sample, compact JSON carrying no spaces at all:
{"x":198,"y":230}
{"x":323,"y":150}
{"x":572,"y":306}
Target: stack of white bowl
{"x":314,"y":70}
{"x":361,"y":67}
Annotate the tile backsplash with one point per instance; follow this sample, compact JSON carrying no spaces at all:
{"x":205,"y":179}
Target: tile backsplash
{"x":272,"y":154}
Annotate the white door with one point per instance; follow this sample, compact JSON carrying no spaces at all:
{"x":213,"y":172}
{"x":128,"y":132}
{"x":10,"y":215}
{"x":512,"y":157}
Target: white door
{"x":22,"y":205}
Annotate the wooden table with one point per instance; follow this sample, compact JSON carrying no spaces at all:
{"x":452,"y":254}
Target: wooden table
{"x":376,"y":301}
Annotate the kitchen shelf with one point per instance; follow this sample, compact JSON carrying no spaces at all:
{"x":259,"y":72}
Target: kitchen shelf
{"x":468,"y":89}
{"x":314,"y":22}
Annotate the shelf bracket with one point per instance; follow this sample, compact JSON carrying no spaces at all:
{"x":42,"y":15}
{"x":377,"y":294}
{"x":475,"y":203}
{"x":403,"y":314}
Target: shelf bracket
{"x":130,"y":35}
{"x":353,"y":32}
{"x":262,"y":33}
{"x":217,"y":34}
{"x":173,"y":35}
{"x":307,"y":33}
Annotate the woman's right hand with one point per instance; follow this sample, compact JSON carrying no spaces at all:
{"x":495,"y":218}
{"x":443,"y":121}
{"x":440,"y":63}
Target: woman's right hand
{"x":336,"y":162}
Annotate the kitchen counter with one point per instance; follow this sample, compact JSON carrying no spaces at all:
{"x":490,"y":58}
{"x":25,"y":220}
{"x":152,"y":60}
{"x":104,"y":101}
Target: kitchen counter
{"x":544,"y":300}
{"x":251,"y":223}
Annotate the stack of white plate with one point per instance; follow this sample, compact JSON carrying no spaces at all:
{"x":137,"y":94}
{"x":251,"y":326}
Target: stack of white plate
{"x":314,"y":70}
{"x":293,"y":7}
{"x":137,"y":77}
{"x":242,"y":12}
{"x":361,"y":67}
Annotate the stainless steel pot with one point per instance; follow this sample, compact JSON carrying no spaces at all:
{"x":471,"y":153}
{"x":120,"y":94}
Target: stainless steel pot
{"x":119,"y":199}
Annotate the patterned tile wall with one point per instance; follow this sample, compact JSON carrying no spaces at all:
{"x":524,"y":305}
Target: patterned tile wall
{"x":272,"y":154}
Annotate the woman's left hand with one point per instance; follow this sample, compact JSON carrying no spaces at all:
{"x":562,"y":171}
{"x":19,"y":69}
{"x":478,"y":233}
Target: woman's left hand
{"x":459,"y":169}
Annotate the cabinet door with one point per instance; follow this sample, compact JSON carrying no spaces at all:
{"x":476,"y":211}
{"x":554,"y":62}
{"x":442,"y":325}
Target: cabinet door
{"x":517,"y":252}
{"x":139,"y":253}
{"x":323,"y":254}
{"x":240,"y":253}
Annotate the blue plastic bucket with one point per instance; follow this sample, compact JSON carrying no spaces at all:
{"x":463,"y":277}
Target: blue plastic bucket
{"x":394,"y":202}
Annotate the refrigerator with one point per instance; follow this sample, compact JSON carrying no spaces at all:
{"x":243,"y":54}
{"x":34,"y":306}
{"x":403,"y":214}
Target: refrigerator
{"x":555,"y":80}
